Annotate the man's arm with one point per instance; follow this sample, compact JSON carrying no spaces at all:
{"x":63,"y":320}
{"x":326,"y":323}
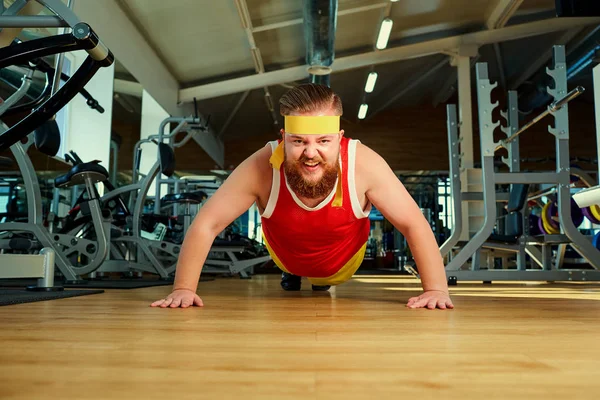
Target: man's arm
{"x":389,"y":196}
{"x":238,"y":192}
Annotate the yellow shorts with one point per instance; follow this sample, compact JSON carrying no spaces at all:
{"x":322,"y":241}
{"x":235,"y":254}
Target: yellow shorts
{"x":342,"y":275}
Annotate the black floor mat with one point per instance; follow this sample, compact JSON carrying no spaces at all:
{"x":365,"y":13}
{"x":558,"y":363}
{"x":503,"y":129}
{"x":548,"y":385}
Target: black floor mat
{"x":20,"y":296}
{"x":379,"y":271}
{"x":98,"y":284}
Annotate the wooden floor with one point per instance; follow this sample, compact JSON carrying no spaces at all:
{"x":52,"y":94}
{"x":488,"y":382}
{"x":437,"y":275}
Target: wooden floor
{"x":253,"y":340}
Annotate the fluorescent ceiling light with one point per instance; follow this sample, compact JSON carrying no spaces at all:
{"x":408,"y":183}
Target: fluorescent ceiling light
{"x":362,"y":111}
{"x":384,"y":33}
{"x":371,"y":82}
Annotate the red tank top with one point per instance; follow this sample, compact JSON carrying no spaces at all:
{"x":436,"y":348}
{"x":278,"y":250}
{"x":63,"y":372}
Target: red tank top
{"x":315,"y":242}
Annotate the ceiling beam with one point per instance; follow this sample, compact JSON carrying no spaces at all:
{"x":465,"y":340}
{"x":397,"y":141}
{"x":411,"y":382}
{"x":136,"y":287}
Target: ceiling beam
{"x":393,"y":54}
{"x":128,"y":87}
{"x":500,"y":12}
{"x":132,"y":49}
{"x":298,"y":21}
{"x":238,"y":85}
{"x":259,"y":66}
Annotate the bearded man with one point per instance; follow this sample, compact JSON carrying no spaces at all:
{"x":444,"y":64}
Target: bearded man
{"x":314,"y":189}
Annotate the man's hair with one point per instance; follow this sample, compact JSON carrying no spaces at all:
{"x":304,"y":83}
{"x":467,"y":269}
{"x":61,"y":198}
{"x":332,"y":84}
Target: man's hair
{"x":308,"y":98}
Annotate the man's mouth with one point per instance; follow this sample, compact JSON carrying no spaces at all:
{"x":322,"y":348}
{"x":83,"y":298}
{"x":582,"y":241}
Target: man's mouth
{"x":311,"y":165}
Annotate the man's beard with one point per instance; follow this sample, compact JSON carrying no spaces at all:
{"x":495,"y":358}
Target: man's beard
{"x":308,"y":188}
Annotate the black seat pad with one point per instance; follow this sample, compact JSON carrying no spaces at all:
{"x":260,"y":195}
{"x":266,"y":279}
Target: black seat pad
{"x":167,"y":159}
{"x":503,"y":239}
{"x":230,"y":243}
{"x":47,"y":138}
{"x":6,"y":162}
{"x":196,"y":197}
{"x":92,"y":166}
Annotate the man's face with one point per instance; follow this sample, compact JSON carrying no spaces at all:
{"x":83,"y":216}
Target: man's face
{"x":311,"y":162}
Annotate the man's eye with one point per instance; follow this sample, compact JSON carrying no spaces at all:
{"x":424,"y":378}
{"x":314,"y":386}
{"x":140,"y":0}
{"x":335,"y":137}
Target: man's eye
{"x":298,"y":141}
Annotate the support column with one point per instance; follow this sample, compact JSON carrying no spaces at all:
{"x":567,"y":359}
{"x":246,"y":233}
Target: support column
{"x":465,"y":110}
{"x":152,"y":115}
{"x":470,"y":180}
{"x":597,"y":108}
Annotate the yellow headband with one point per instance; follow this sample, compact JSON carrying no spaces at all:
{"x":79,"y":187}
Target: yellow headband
{"x":301,"y":125}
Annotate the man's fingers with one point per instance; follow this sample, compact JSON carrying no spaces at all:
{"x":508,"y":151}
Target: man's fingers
{"x":157,"y":303}
{"x":166,"y":303}
{"x":179,"y":301}
{"x":419,"y":303}
{"x":430,"y":303}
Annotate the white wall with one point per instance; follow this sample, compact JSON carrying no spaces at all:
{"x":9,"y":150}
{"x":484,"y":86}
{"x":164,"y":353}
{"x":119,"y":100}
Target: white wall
{"x":89,"y":131}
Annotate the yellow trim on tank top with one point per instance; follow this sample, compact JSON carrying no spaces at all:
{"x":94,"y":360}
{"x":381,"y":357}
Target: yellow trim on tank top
{"x":344,"y":274}
{"x":274,"y":256}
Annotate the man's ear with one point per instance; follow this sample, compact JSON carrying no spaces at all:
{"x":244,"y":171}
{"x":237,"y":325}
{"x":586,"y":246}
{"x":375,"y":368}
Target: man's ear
{"x":282,"y":133}
{"x":341,"y":134}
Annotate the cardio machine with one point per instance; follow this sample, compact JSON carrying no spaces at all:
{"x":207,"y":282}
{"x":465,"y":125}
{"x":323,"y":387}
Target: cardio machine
{"x":82,"y":37}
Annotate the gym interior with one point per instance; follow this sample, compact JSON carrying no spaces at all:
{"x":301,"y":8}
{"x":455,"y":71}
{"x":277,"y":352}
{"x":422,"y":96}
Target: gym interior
{"x":487,"y":111}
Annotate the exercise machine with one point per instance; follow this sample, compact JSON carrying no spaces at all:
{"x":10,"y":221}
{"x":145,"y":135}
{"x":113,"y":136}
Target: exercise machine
{"x":590,"y":197}
{"x":82,"y":37}
{"x":40,"y":265}
{"x":537,"y":247}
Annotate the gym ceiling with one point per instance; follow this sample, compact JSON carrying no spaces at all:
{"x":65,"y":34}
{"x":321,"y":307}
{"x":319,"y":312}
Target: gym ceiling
{"x":205,"y":42}
{"x":239,"y":56}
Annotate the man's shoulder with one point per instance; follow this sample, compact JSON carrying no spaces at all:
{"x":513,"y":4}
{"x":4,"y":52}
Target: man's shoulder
{"x":365,"y":155}
{"x":262,"y":157}
{"x":261,"y":164}
{"x":264,"y":173}
{"x":368,"y":162}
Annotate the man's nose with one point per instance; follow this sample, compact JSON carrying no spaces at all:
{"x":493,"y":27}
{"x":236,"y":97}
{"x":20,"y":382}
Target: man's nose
{"x":310,"y":151}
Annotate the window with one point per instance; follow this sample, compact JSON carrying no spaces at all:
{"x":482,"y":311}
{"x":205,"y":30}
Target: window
{"x":4,"y":197}
{"x":446,"y":202}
